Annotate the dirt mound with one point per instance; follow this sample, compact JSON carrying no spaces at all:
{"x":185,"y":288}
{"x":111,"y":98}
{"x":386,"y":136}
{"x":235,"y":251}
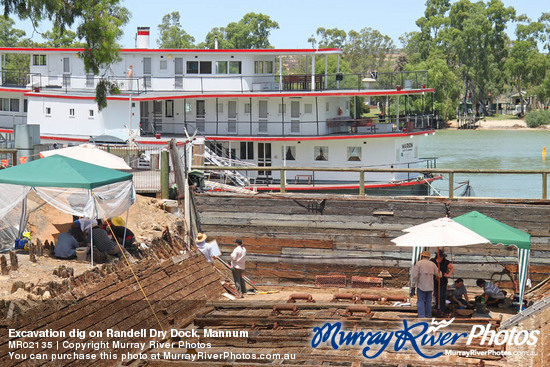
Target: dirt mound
{"x":146,"y":219}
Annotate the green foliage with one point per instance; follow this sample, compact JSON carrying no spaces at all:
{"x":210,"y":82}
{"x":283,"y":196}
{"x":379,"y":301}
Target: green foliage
{"x":251,"y":32}
{"x":103,"y":89}
{"x":13,"y":37}
{"x":57,"y":38}
{"x":367,"y":50}
{"x":98,"y":23}
{"x":538,"y":118}
{"x":171,"y":33}
{"x":329,"y":38}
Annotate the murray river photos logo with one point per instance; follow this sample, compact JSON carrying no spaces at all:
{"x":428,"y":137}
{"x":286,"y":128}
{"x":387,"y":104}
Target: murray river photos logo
{"x":418,"y":336}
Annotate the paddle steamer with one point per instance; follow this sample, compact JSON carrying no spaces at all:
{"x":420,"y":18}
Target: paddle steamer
{"x":244,"y":103}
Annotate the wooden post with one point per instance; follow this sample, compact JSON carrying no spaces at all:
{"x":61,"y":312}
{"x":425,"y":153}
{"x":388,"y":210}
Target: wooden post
{"x":164,"y":166}
{"x":545,"y":186}
{"x":362,"y":183}
{"x":451,"y":185}
{"x":4,"y":265}
{"x":283,"y":180}
{"x":14,"y":261}
{"x":39,"y":247}
{"x":32,"y":256}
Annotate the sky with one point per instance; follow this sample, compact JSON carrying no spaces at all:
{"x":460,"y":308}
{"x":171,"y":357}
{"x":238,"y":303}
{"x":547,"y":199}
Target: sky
{"x":298,"y":19}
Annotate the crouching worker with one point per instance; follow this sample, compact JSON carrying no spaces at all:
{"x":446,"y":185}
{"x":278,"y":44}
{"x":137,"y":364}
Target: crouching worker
{"x":103,"y":243}
{"x":122,"y":234}
{"x":492,"y":295}
{"x":67,"y":243}
{"x":459,"y":294}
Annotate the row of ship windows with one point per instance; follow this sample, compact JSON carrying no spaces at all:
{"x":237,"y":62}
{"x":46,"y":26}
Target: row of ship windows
{"x":193,"y":67}
{"x":320,"y":153}
{"x":231,"y":107}
{"x":48,"y":112}
{"x":12,"y":105}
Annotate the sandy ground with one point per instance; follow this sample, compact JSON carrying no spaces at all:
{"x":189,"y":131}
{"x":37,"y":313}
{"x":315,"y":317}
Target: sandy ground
{"x":497,"y":124}
{"x":146,"y":219}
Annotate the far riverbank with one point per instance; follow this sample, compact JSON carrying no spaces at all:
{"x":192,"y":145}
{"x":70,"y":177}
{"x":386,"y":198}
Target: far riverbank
{"x":507,"y":124}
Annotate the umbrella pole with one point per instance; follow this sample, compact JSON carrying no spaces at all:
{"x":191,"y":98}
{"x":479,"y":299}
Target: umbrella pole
{"x":438,"y":295}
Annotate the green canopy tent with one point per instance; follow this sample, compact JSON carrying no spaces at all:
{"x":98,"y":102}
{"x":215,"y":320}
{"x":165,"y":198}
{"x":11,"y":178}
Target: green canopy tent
{"x":70,"y":185}
{"x":500,"y":233}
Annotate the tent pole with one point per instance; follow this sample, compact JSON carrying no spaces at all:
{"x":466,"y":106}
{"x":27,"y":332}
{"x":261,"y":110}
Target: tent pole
{"x":23,"y":220}
{"x":125,"y":227}
{"x":91,"y":245}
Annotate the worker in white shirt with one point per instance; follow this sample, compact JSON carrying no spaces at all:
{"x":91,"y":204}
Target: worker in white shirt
{"x":238,"y":258}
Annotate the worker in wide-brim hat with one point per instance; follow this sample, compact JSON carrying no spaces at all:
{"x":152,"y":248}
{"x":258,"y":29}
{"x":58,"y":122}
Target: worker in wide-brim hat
{"x":204,"y":247}
{"x":423,"y":274}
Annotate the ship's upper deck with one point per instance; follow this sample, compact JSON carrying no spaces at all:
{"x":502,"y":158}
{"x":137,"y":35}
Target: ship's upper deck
{"x":181,"y":72}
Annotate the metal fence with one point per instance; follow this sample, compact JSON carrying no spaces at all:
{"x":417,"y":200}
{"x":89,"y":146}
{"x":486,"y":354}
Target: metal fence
{"x":145,"y":164}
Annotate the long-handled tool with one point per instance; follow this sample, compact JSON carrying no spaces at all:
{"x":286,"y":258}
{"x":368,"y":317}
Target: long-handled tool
{"x":246,"y":279}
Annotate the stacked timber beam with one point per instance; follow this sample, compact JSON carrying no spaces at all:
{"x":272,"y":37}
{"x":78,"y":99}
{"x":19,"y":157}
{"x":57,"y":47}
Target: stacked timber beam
{"x":271,"y":335}
{"x":287,"y":243}
{"x":177,"y":285}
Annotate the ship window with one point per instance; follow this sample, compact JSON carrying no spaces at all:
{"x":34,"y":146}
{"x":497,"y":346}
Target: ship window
{"x":220,"y":107}
{"x":282,"y":108}
{"x":25,"y":105}
{"x":192,"y":67}
{"x":321,"y":153}
{"x":187,"y":107}
{"x":91,"y":113}
{"x":48,"y":110}
{"x":289,"y":152}
{"x":71,"y":112}
{"x":9,"y":104}
{"x":308,"y":108}
{"x":327,"y":107}
{"x":221,"y":67}
{"x":247,"y":150}
{"x":263,"y":67}
{"x":235,"y":67}
{"x":89,"y":80}
{"x":354,"y":154}
{"x":169,"y":108}
{"x":39,"y":60}
{"x":163,"y":64}
{"x":247,"y":108}
{"x":206,"y":67}
{"x":14,"y":105}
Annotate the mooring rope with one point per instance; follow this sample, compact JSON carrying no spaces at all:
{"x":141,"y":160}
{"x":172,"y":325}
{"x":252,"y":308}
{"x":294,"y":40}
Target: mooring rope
{"x":129,"y":265}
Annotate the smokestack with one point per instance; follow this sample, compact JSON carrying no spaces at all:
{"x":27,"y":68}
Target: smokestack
{"x":142,"y":37}
{"x":216,"y":43}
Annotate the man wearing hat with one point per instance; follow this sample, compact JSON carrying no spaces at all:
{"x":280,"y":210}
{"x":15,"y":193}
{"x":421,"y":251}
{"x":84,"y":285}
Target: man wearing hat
{"x":238,"y":257}
{"x":446,"y":269}
{"x":204,"y":247}
{"x":423,"y":274}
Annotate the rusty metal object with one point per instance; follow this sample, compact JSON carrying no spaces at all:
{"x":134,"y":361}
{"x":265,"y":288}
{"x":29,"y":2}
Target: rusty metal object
{"x":343,"y":296}
{"x":366,"y":282}
{"x":368,"y":297}
{"x":392,"y":298}
{"x":285,"y":307}
{"x":357,"y":309}
{"x":326,"y":281}
{"x":300,"y":296}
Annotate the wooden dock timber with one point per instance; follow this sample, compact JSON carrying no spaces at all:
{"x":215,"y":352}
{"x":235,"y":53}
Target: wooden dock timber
{"x":288,"y":243}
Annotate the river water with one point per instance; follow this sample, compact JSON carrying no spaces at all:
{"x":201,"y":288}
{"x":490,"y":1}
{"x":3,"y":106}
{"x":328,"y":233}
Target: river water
{"x":490,"y":149}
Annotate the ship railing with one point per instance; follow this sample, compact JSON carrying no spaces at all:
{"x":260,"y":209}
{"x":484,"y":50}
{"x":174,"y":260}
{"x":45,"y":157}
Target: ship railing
{"x":19,"y":78}
{"x":231,"y":83}
{"x":287,"y":126}
{"x":424,"y":175}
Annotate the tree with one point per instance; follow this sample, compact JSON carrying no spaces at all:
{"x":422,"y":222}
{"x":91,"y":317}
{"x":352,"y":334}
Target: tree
{"x":15,"y":66}
{"x":172,"y":34}
{"x":67,"y":38}
{"x":251,"y":32}
{"x":98,"y":23}
{"x":525,"y":65}
{"x":329,"y":38}
{"x":367,"y":50}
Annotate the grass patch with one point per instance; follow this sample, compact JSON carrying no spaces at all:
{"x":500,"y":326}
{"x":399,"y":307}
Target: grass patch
{"x":498,"y":117}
